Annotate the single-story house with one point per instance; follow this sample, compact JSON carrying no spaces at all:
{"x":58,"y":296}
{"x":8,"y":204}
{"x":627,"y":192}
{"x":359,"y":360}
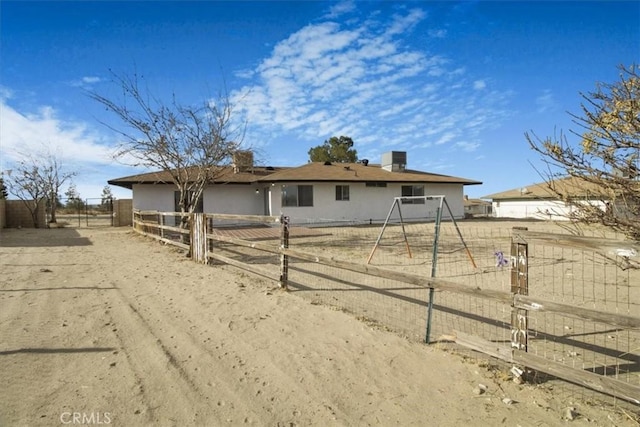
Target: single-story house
{"x":322,"y":191}
{"x":476,"y":207}
{"x":537,"y":201}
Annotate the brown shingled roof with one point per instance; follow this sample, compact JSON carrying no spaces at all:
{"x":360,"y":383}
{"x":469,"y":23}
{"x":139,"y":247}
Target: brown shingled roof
{"x":315,"y":171}
{"x":223,"y":175}
{"x":475,"y":202}
{"x":358,"y":172}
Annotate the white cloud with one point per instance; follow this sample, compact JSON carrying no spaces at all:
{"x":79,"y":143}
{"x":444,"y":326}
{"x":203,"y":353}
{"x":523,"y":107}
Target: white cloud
{"x":467,"y":145}
{"x":437,"y":33}
{"x":364,"y":79}
{"x":340,"y":8}
{"x":86,"y":81}
{"x":446,"y":137}
{"x":546,"y":102}
{"x":24,"y":133}
{"x":479,"y":84}
{"x":5,"y":93}
{"x":78,"y":147}
{"x":401,"y":24}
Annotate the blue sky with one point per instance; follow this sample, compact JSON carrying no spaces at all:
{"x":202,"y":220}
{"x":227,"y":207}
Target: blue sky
{"x":455,"y":84}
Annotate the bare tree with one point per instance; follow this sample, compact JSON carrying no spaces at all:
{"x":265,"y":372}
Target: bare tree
{"x":190,"y":143}
{"x":54,"y":176}
{"x":37,"y":179}
{"x":604,"y":160}
{"x":106,"y":198}
{"x":74,"y":201}
{"x":3,"y":188}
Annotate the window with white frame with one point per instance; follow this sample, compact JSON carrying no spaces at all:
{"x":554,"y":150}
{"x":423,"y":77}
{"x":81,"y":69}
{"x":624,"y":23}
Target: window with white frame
{"x":342,"y":192}
{"x":410,"y":191}
{"x":297,"y":195}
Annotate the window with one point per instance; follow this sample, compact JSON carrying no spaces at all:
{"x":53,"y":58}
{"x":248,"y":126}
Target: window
{"x":342,"y":192}
{"x":297,"y":195}
{"x":412,"y":190}
{"x":176,"y":202}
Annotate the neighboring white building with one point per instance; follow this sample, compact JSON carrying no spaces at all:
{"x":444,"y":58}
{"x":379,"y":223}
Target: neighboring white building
{"x":476,"y":208}
{"x":537,"y":201}
{"x":322,"y":191}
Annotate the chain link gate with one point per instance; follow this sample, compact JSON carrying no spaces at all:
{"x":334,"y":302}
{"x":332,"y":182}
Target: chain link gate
{"x":90,"y":212}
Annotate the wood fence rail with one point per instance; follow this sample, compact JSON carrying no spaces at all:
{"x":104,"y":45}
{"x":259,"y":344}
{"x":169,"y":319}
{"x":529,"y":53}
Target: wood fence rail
{"x":518,"y":299}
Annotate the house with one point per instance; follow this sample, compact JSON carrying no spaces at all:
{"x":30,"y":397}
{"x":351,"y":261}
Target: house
{"x":336,"y":191}
{"x":537,"y":201}
{"x":476,"y":207}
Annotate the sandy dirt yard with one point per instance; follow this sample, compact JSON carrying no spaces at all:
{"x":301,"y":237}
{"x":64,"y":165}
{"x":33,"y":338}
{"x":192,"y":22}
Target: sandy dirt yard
{"x":104,"y":327}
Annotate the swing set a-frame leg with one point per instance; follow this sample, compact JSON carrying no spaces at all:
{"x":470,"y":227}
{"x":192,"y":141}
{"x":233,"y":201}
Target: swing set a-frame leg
{"x":373,"y":251}
{"x":384,"y":226}
{"x":466,"y":248}
{"x":404,"y":234}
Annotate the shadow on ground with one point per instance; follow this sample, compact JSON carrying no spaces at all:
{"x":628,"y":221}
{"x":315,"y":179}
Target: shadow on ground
{"x":41,"y":237}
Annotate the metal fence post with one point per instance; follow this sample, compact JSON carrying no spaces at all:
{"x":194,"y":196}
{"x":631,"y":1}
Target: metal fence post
{"x":284,"y":244}
{"x":519,"y":286}
{"x":434,"y":263}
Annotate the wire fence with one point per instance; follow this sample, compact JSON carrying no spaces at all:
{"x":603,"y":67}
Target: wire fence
{"x":582,"y":277}
{"x":476,"y":263}
{"x":90,"y":212}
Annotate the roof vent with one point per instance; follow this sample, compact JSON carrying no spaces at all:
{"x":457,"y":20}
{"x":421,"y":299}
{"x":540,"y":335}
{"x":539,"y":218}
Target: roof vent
{"x":327,"y":163}
{"x":394,"y":161}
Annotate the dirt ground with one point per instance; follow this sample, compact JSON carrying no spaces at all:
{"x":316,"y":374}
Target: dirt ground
{"x":102,"y":326}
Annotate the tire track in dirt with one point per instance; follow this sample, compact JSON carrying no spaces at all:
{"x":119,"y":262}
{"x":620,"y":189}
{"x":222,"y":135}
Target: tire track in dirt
{"x":236,"y":369}
{"x":153,"y":338}
{"x":45,"y":320}
{"x":170,"y":393}
{"x":178,"y":302}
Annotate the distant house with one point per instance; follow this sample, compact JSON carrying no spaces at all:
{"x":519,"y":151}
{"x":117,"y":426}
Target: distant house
{"x":476,"y":207}
{"x":538,"y":202}
{"x":337,"y":191}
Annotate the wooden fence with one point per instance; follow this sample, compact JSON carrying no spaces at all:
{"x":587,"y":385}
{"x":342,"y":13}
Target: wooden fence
{"x":200,"y":237}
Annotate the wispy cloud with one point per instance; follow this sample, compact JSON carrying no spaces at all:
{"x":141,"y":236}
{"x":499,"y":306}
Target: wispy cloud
{"x":76,"y":144}
{"x":360,"y":79}
{"x":546,"y":102}
{"x":401,"y":23}
{"x":437,"y":33}
{"x":479,"y":84}
{"x":85,"y":82}
{"x":467,"y":145}
{"x":340,"y":8}
{"x":5,"y":93}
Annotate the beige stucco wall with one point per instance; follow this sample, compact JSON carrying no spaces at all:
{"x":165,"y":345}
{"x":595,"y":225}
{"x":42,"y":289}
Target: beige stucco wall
{"x":17,"y":215}
{"x":3,"y":217}
{"x":123,"y":213}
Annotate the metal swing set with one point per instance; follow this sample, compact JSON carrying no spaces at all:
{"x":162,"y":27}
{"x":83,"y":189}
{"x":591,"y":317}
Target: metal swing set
{"x":438,"y":220}
{"x":442,"y":203}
